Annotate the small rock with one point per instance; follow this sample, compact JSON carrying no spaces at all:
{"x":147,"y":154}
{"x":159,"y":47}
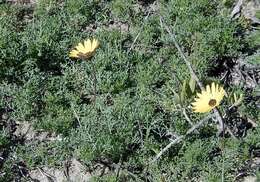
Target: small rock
{"x":75,"y":172}
{"x":255,"y":162}
{"x":26,"y":131}
{"x":47,"y":174}
{"x":250,"y":179}
{"x":78,"y":172}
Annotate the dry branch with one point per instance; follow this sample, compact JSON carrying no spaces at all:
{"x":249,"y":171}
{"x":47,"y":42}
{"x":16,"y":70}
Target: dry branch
{"x":180,"y":138}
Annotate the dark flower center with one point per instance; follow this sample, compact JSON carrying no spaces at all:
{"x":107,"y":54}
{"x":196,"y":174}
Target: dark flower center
{"x":84,"y":56}
{"x":212,"y":102}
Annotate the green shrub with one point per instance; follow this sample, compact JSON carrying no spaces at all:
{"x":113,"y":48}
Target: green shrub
{"x":141,"y":92}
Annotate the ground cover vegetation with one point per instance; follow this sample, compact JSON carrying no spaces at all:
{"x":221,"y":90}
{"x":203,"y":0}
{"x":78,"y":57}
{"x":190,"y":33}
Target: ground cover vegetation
{"x":143,"y":89}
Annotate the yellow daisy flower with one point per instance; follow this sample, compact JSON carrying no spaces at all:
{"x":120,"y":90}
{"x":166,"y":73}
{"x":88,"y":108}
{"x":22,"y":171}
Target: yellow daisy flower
{"x":209,"y":98}
{"x":85,"y":50}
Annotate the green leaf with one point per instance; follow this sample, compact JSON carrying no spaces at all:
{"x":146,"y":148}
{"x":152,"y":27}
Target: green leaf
{"x":192,"y":84}
{"x":177,"y":98}
{"x":183,"y":93}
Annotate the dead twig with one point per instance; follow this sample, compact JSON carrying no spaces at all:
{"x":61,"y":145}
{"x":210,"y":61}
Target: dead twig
{"x":237,"y":9}
{"x":139,"y":33}
{"x":75,"y":114}
{"x":192,"y":72}
{"x":135,"y":39}
{"x":49,"y":177}
{"x":180,"y":138}
{"x":188,"y":118}
{"x":177,"y":140}
{"x":66,"y":169}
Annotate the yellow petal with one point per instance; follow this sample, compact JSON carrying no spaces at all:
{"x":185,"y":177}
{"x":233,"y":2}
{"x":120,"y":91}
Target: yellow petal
{"x":208,"y":89}
{"x":88,"y":45}
{"x":213,"y":88}
{"x":204,"y":92}
{"x":199,"y":95}
{"x":201,"y":104}
{"x":74,"y":54}
{"x":202,"y":109}
{"x":219,"y":96}
{"x":235,"y":97}
{"x":85,"y":50}
{"x":81,"y":48}
{"x":217,"y":88}
{"x":94,"y":45}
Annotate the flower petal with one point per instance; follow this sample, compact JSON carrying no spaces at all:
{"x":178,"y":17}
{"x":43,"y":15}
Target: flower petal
{"x":81,"y":48}
{"x":203,"y":101}
{"x":74,"y":54}
{"x":213,"y":88}
{"x":94,"y":45}
{"x":87,"y":45}
{"x":208,"y":89}
{"x":85,"y":50}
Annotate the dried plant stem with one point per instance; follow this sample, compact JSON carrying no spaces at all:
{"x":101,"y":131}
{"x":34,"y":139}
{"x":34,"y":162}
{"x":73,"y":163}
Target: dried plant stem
{"x":177,"y":140}
{"x":180,"y":138}
{"x":47,"y":175}
{"x":194,"y":76}
{"x":75,"y":114}
{"x":187,"y":117}
{"x":140,"y":31}
{"x":135,"y":40}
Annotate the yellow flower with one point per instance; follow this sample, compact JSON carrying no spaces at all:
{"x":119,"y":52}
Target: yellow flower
{"x":85,"y":50}
{"x":209,"y":98}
